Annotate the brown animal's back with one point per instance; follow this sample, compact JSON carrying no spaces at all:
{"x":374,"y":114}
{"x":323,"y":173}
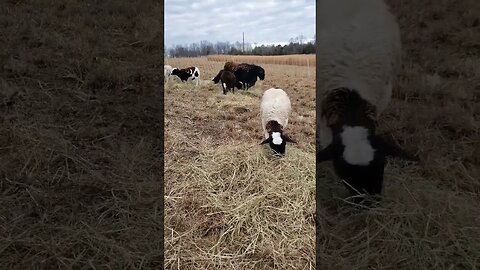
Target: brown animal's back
{"x":231,"y":66}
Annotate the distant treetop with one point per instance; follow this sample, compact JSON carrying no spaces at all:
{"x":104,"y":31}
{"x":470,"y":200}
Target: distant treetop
{"x":296,"y":45}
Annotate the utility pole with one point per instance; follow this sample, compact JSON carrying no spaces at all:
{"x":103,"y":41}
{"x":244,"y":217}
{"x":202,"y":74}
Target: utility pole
{"x":243,"y":42}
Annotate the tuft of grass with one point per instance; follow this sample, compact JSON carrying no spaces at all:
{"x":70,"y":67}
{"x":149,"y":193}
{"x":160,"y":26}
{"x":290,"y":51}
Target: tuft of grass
{"x":235,"y":205}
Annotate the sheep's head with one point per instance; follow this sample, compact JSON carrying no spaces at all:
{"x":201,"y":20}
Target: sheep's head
{"x":358,"y":154}
{"x":278,"y":142}
{"x":216,"y":79}
{"x":239,"y":85}
{"x":276,"y":139}
{"x":261,"y":73}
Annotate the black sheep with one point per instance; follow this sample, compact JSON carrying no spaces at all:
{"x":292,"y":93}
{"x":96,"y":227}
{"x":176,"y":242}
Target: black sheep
{"x":248,"y":73}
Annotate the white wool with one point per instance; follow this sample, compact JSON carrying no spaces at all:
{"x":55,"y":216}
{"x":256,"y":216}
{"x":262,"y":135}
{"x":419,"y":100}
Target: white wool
{"x":277,"y":139}
{"x":275,"y":106}
{"x":167,"y":70}
{"x":358,"y":150}
{"x":359,"y":47}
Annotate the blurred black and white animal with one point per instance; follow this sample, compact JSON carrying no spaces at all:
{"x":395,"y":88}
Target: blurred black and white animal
{"x":188,"y":74}
{"x":274,"y":110}
{"x":227,"y":80}
{"x":359,"y":52}
{"x":246,"y":73}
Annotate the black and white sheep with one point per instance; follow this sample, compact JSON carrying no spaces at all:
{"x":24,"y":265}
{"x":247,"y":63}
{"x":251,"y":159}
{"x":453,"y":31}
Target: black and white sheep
{"x":188,"y":74}
{"x":246,"y":73}
{"x":274,"y":110}
{"x":227,"y":80}
{"x":359,"y":51}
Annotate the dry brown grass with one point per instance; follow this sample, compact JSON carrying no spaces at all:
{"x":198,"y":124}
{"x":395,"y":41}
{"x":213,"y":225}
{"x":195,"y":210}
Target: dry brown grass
{"x":430,"y":218}
{"x":292,"y":59}
{"x":224,"y":208}
{"x":79,"y":135}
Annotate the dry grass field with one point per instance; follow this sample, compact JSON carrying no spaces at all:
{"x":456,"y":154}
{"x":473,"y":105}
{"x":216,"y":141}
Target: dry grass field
{"x":228,"y":203}
{"x":430,"y":218}
{"x":292,"y":59}
{"x":80,"y":134}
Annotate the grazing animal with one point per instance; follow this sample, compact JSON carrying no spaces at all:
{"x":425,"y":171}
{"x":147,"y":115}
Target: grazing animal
{"x":275,"y":109}
{"x":246,"y":73}
{"x":167,"y":71}
{"x":359,"y":54}
{"x":188,"y":74}
{"x":228,"y":81}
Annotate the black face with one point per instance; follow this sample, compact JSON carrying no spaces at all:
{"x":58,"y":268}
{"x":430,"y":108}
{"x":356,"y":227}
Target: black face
{"x":359,"y":179}
{"x":216,"y":79}
{"x":261,"y":73}
{"x":362,"y":179}
{"x":239,"y":85}
{"x":279,"y":149}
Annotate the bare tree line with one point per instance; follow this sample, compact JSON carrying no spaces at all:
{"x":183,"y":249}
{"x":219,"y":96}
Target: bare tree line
{"x":297,"y":45}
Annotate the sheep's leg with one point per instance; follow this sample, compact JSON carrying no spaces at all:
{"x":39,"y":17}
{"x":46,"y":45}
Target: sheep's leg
{"x":224,"y":90}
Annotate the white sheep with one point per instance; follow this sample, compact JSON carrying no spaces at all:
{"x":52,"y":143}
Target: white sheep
{"x":359,"y":53}
{"x":359,"y":48}
{"x":167,"y":71}
{"x":274,"y":110}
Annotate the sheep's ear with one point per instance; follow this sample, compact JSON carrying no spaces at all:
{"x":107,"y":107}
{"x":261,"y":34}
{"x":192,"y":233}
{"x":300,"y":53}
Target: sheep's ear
{"x":325,"y":154}
{"x":288,"y":139}
{"x":392,"y":149}
{"x":267,"y":140}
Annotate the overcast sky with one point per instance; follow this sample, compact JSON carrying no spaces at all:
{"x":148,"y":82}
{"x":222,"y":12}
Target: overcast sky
{"x":263,"y":21}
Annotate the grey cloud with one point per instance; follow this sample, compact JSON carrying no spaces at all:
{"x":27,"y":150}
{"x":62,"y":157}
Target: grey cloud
{"x":262,"y":21}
